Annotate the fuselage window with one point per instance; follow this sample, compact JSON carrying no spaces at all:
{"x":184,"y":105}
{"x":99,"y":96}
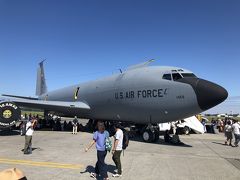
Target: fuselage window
{"x":186,"y":75}
{"x":167,"y":77}
{"x":176,"y":76}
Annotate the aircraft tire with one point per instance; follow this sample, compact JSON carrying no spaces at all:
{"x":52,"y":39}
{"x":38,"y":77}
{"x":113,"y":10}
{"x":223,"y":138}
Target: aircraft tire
{"x":186,"y":130}
{"x":10,"y":113}
{"x":148,"y":136}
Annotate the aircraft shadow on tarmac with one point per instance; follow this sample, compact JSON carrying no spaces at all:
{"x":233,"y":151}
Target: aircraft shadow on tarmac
{"x":160,"y":142}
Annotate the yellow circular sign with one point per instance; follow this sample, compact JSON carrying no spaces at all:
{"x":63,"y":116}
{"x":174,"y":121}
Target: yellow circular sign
{"x":7,"y":114}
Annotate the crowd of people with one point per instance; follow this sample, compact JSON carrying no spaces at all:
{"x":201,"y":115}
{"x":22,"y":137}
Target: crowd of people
{"x":218,"y":125}
{"x":230,"y":128}
{"x":54,"y":124}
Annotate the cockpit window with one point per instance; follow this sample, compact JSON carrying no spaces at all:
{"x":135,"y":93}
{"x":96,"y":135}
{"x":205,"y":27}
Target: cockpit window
{"x":187,"y":75}
{"x":167,"y":77}
{"x":176,"y":76}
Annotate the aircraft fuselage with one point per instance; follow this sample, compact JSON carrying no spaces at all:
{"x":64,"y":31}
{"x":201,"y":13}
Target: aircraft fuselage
{"x":142,"y":95}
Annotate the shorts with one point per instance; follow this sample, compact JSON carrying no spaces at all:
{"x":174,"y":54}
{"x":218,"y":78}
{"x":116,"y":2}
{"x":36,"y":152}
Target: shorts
{"x":229,"y":135}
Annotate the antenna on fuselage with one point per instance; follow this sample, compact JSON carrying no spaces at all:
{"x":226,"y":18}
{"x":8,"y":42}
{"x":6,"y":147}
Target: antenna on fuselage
{"x":141,"y":65}
{"x":150,"y":61}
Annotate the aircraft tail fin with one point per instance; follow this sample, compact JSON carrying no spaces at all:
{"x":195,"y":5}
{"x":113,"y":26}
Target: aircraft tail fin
{"x":41,"y":86}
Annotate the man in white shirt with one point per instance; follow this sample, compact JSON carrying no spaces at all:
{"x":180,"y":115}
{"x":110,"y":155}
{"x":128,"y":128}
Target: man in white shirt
{"x":28,"y":136}
{"x":236,"y":132}
{"x":74,"y":123}
{"x":117,"y":149}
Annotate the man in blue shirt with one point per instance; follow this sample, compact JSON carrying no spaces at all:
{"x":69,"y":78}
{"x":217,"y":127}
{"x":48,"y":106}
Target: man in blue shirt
{"x":99,"y":139}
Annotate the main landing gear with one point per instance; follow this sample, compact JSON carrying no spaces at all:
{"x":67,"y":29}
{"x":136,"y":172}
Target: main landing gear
{"x":150,"y":133}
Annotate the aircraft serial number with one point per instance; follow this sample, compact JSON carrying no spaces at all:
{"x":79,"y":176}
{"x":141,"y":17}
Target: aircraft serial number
{"x":150,"y":93}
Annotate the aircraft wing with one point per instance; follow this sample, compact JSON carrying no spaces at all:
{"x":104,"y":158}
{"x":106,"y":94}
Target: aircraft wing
{"x":49,"y":104}
{"x":66,"y":108}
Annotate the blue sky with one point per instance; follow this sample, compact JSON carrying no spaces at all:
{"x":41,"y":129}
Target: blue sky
{"x":84,"y":40}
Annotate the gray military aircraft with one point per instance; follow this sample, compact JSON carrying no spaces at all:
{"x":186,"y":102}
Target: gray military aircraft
{"x":143,"y":94}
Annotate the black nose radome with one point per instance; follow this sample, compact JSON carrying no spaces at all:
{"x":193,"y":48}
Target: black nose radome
{"x":208,"y":94}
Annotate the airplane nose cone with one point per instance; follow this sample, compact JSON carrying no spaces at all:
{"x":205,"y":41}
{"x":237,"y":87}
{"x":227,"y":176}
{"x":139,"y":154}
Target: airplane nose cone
{"x":209,"y":94}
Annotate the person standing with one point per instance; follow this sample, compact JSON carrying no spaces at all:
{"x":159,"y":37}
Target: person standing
{"x":117,"y":149}
{"x":28,"y":136}
{"x":99,"y":138}
{"x":236,"y":132}
{"x":228,"y":133}
{"x":174,"y":127}
{"x":204,"y":125}
{"x":75,"y":128}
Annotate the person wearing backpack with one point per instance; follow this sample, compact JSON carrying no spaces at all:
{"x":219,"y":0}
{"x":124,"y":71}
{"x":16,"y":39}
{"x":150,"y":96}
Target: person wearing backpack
{"x":117,"y":149}
{"x":99,"y":138}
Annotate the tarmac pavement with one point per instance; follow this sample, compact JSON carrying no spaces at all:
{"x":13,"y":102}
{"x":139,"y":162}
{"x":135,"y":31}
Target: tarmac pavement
{"x":61,"y":156}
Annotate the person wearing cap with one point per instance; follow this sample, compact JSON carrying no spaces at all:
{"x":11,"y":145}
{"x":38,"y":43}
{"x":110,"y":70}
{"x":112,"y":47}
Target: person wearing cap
{"x":28,"y":136}
{"x":12,"y":174}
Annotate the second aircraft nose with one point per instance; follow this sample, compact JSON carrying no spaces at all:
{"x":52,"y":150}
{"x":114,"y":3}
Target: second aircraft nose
{"x":209,"y":94}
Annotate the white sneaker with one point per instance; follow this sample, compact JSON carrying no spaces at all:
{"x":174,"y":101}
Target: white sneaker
{"x":116,"y":175}
{"x":93,"y":175}
{"x":116,"y":170}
